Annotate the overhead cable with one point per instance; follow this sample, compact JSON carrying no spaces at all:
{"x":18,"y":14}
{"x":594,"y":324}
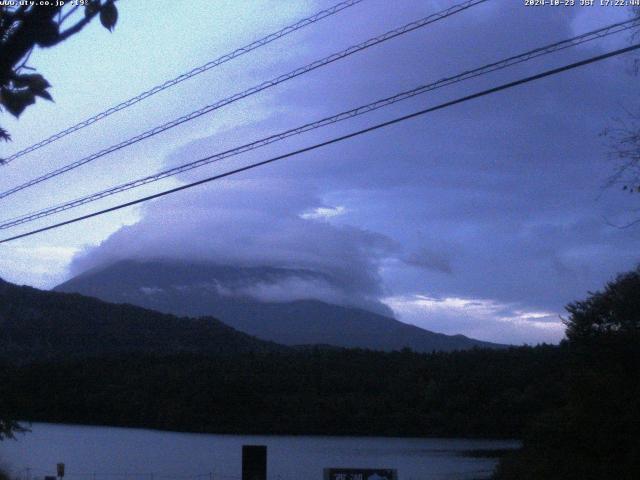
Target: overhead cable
{"x":251,"y":91}
{"x":185,"y":76}
{"x":345,"y":115}
{"x":378,"y":126}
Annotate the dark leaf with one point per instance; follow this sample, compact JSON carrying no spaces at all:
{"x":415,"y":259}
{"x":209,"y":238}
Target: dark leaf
{"x":34,"y":81}
{"x":109,"y":15}
{"x":15,"y":101}
{"x":44,"y":94}
{"x":4,"y":135}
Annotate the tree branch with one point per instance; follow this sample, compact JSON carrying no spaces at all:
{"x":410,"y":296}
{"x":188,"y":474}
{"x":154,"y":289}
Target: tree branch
{"x":17,"y":46}
{"x":75,"y":29}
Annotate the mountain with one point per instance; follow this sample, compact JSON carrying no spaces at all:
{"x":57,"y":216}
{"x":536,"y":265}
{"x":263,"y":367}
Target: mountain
{"x":41,"y":325}
{"x":197,"y":289}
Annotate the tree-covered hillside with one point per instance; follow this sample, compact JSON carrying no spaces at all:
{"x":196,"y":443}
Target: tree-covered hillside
{"x":483,"y":393}
{"x":38,"y":325}
{"x":596,"y":433}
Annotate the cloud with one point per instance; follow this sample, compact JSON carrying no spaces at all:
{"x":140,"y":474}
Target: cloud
{"x":323,"y":213}
{"x":429,"y":259}
{"x":494,"y":203}
{"x":481,"y":318}
{"x":256,"y":223}
{"x":492,"y":200}
{"x":288,"y":286}
{"x":45,"y":264}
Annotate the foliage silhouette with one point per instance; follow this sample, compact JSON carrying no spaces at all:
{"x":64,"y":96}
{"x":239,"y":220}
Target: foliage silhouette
{"x":24,"y":27}
{"x":595,"y":435}
{"x":476,"y":393}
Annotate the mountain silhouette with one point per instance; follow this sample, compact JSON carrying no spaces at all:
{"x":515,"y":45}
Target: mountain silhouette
{"x":201,"y":289}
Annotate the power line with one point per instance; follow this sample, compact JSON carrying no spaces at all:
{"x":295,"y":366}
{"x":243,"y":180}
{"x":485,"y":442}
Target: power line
{"x":363,"y":109}
{"x":378,"y":126}
{"x":185,"y":76}
{"x":251,"y":91}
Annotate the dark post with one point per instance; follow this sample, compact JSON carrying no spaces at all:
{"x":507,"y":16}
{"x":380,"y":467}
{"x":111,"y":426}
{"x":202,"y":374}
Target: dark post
{"x":254,"y":462}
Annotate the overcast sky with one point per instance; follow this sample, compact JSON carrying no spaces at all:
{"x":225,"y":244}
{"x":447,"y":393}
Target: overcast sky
{"x":483,"y":219}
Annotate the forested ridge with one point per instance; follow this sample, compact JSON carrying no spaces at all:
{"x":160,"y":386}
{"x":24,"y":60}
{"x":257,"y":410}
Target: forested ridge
{"x":479,"y":393}
{"x":37,"y":325}
{"x":595,"y":433}
{"x":70,"y":358}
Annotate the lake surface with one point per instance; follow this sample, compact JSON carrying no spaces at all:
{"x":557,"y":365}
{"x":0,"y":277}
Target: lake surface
{"x":106,"y":453}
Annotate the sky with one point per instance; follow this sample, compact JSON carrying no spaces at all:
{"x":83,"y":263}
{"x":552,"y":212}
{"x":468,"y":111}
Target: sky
{"x":485,"y":218}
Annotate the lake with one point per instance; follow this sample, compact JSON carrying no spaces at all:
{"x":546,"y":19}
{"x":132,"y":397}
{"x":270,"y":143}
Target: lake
{"x":107,"y":453}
